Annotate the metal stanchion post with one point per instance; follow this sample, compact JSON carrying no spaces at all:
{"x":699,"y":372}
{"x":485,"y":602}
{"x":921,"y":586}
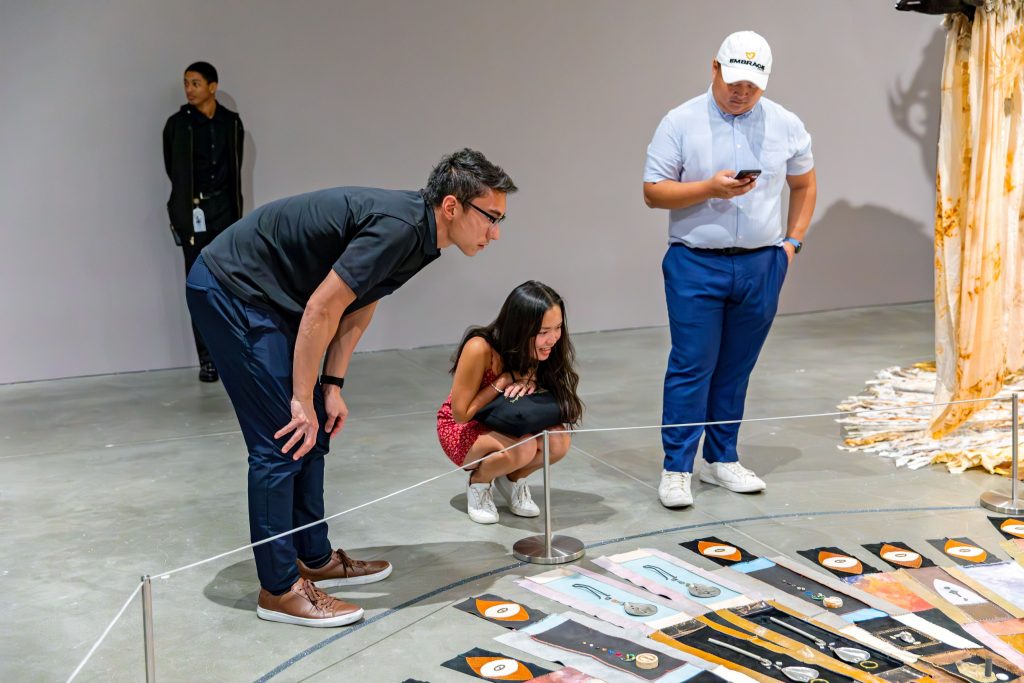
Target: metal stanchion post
{"x":548,"y":549}
{"x":547,"y":495}
{"x":998,"y":502}
{"x":147,"y":629}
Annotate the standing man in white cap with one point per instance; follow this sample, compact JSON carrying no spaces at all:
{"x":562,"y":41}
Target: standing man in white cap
{"x":718,"y":163}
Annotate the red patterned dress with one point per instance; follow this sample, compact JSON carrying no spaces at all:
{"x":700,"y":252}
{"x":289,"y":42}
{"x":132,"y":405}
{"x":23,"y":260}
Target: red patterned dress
{"x":456,"y":439}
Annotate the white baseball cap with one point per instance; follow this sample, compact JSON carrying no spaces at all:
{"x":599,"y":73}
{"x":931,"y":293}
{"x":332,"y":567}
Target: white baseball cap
{"x":745,"y":56}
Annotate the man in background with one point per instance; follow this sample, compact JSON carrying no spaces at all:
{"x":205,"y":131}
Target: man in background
{"x":203,"y":159}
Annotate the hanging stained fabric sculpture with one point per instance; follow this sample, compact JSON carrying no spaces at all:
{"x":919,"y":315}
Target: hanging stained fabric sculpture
{"x":979,"y":295}
{"x":979,"y":259}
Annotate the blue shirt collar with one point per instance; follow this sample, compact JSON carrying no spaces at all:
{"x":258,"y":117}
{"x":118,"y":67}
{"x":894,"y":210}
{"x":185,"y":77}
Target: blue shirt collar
{"x":726,"y":115}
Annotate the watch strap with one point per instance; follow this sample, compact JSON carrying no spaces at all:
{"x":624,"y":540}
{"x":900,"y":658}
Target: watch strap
{"x":331,"y":379}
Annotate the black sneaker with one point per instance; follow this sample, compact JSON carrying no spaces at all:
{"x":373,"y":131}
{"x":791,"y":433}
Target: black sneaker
{"x":207,"y":373}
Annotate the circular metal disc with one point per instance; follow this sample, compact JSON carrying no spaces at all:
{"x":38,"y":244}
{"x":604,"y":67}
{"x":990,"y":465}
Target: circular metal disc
{"x":703,"y":590}
{"x":563,"y":549}
{"x":640,"y":609}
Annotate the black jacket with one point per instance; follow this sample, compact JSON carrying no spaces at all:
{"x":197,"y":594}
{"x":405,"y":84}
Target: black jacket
{"x":178,"y":163}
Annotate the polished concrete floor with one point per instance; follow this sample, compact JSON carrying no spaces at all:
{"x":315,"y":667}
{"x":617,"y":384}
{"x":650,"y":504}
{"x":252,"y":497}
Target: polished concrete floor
{"x":104,"y":479}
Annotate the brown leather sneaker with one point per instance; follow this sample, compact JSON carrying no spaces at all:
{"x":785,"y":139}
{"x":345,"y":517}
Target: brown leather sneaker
{"x":306,"y":605}
{"x":341,"y":570}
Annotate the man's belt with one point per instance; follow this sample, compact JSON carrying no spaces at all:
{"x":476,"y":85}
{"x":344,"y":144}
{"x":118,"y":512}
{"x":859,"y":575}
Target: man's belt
{"x":726,"y":251}
{"x":209,"y":195}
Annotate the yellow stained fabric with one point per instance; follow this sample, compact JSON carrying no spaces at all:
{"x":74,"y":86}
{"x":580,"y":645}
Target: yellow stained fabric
{"x":979,"y":296}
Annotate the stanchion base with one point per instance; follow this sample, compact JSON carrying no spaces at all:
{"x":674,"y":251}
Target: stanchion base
{"x":998,"y":502}
{"x":563,"y":549}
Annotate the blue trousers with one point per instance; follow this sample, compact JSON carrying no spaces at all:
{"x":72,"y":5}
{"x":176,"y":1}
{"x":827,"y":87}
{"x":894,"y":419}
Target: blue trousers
{"x":252,"y":349}
{"x":720,"y":309}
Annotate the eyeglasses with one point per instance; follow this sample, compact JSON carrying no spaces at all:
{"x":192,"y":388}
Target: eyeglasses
{"x":494,"y":220}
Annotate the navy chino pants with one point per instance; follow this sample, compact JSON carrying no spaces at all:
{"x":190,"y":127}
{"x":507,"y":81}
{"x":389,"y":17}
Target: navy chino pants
{"x":720,"y":310}
{"x":252,"y":349}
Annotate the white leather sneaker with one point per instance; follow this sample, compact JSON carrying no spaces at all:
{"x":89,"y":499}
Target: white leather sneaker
{"x":517,"y":493}
{"x":733,"y":476}
{"x":480,"y":504}
{"x":674,"y":489}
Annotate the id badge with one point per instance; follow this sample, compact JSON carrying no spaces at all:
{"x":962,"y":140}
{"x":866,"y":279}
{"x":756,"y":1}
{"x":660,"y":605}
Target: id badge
{"x":198,"y":220}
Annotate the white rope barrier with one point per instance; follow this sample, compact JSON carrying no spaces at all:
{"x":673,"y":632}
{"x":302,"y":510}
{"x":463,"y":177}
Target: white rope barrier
{"x":164,"y":575}
{"x":838,"y":413}
{"x":105,"y":632}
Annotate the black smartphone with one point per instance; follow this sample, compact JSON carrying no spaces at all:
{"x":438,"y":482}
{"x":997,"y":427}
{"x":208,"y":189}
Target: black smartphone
{"x":748,"y":173}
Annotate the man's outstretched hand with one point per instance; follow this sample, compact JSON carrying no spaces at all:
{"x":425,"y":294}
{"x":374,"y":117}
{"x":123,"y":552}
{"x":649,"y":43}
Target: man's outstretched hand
{"x":302,"y":427}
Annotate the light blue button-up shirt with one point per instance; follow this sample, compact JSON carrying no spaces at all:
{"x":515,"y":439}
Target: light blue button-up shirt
{"x":696,"y":140}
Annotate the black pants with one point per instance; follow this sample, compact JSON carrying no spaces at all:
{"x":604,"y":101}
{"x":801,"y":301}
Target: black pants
{"x":220,"y":212}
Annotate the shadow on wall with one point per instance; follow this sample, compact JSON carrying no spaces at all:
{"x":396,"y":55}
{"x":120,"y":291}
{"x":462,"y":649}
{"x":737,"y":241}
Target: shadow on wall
{"x":857,"y":254}
{"x":831,"y":273}
{"x":915,"y":108}
{"x":248,"y":153}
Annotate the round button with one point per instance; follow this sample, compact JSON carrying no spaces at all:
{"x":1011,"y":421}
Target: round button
{"x":832,"y":602}
{"x":646,"y":660}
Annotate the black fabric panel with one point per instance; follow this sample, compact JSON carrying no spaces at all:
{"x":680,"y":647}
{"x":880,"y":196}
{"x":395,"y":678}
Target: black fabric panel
{"x":510,"y":618}
{"x":575,"y":637}
{"x":797,"y":585}
{"x":887,"y":629}
{"x":704,"y":548}
{"x":695,"y":635}
{"x":837,"y":561}
{"x":763,"y":617}
{"x":476,"y":663}
{"x":1009,"y":527}
{"x":884,"y":548}
{"x":984,"y":557}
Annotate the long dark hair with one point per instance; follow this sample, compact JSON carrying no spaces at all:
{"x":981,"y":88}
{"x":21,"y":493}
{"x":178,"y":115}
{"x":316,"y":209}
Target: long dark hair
{"x":512,"y":335}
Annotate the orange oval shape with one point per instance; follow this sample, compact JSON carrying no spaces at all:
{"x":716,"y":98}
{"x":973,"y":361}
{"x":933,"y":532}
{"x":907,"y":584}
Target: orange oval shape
{"x":840,"y":563}
{"x":900,"y":556}
{"x":502,"y":611}
{"x":499,"y":668}
{"x":719,"y":550}
{"x":963,"y":551}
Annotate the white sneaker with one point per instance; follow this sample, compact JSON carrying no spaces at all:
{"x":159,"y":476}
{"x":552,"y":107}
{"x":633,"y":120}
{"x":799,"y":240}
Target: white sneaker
{"x":674,"y":489}
{"x":733,"y":476}
{"x":517,"y":493}
{"x":480,"y":504}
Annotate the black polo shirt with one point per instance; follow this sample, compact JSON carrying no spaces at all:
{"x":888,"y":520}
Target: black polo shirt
{"x":276,"y":256}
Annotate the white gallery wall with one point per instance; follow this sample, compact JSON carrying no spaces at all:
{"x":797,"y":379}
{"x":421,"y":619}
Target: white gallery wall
{"x":564,"y":94}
